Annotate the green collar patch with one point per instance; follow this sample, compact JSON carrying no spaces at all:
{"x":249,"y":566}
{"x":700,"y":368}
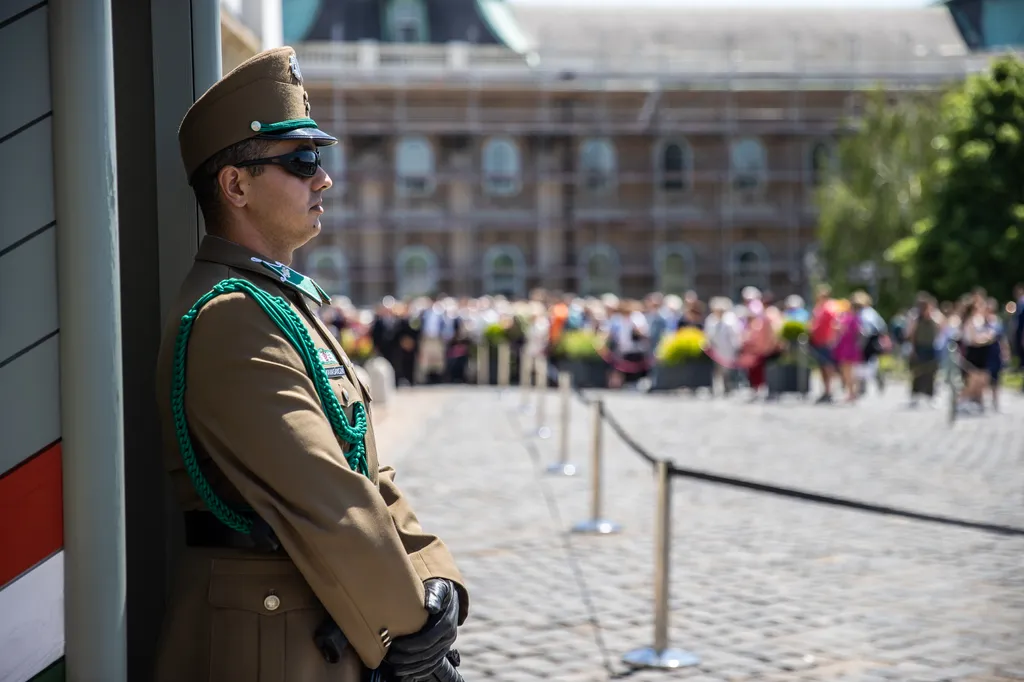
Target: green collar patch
{"x":296,"y":280}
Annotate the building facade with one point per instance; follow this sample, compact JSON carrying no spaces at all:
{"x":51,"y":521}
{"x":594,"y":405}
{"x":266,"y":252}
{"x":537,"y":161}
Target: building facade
{"x":583,"y":149}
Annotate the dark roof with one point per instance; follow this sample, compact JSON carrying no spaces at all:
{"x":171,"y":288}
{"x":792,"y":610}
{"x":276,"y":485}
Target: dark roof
{"x":753,"y":35}
{"x":352,"y":20}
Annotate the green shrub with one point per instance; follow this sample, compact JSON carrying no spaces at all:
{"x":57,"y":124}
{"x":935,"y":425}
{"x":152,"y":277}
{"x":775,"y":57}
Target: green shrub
{"x":580,"y":344}
{"x":683,"y":346}
{"x":792,"y":330}
{"x":495,"y":334}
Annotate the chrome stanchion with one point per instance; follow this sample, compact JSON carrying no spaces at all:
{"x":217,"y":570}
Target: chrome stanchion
{"x":541,"y":386}
{"x":562,"y":466}
{"x":525,"y":375}
{"x":483,"y":364}
{"x":952,"y":351}
{"x":504,"y":368}
{"x":660,"y":655}
{"x":595,"y":524}
{"x":803,"y":378}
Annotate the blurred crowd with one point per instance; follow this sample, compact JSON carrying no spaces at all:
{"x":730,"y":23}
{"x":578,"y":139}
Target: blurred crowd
{"x":431,"y":340}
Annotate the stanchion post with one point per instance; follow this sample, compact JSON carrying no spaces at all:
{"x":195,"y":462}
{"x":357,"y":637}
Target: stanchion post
{"x":541,"y":385}
{"x":504,"y":365}
{"x":660,"y":655}
{"x":596,"y":524}
{"x":952,"y":350}
{"x":525,"y":372}
{"x":562,"y":466}
{"x":483,"y":364}
{"x":803,"y":376}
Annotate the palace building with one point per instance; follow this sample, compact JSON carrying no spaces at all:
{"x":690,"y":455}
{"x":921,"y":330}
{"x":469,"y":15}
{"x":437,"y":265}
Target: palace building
{"x":492,"y":147}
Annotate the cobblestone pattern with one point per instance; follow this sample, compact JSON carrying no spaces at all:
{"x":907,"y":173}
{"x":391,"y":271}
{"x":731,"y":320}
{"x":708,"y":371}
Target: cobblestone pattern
{"x":762,"y":588}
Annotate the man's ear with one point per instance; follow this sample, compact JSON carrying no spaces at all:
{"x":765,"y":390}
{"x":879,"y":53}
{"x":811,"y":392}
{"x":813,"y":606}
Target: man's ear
{"x":234,"y":185}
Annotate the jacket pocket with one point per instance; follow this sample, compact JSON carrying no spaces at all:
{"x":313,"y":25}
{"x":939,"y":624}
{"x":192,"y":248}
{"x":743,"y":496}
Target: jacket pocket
{"x":262,"y":619}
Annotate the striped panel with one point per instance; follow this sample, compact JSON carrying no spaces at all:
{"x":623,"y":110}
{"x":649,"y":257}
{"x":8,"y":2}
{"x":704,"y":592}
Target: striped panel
{"x":31,"y":523}
{"x":24,"y":42}
{"x":31,"y":495}
{"x":32,"y":621}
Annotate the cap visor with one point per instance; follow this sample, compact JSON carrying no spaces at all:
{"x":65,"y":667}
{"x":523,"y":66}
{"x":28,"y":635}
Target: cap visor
{"x":317,"y":136}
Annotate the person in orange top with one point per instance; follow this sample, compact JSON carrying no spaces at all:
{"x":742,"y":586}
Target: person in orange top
{"x":822,"y":334}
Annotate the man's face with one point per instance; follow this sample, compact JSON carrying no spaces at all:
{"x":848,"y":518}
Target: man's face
{"x":285,"y":206}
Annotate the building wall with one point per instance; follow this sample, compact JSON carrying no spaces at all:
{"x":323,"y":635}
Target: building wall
{"x":31,"y":532}
{"x":638,"y":219}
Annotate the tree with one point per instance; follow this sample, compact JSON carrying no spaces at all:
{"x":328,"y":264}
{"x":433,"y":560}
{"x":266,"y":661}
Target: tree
{"x":974,"y":235}
{"x":873,"y":197}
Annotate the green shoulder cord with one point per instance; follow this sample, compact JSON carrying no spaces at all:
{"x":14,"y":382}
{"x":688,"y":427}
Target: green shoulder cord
{"x":291,"y":326}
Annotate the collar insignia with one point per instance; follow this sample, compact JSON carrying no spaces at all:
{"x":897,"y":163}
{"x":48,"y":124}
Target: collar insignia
{"x":295,"y":279}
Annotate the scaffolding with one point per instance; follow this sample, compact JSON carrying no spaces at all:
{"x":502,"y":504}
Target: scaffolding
{"x":448,"y":93}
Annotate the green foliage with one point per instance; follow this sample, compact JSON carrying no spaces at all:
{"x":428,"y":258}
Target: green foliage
{"x":579,"y":344}
{"x":683,"y":346}
{"x":792,"y":330}
{"x":975,"y":234}
{"x":495,"y":334}
{"x":874,"y":197}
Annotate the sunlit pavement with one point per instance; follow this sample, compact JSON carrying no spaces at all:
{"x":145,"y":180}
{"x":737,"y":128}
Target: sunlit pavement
{"x":762,"y":587}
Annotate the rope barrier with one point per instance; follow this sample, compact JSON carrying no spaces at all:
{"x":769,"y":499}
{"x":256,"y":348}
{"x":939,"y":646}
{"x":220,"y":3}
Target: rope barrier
{"x":794,"y":493}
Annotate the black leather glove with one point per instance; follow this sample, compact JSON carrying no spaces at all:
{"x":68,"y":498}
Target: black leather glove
{"x":420,"y":654}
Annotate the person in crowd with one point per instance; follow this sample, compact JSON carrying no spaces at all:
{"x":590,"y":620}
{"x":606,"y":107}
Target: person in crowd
{"x":847,"y":351}
{"x":874,"y":342}
{"x":822,"y":337}
{"x":924,"y":337}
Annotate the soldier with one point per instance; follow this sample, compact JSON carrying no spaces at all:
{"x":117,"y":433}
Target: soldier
{"x":293,"y":530}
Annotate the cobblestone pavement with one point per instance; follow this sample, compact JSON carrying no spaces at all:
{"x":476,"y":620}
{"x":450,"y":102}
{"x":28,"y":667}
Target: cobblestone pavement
{"x":762,"y":587}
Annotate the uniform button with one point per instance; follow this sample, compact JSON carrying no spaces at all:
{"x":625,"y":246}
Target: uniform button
{"x":344,"y":394}
{"x":385,"y":638}
{"x":272,"y":602}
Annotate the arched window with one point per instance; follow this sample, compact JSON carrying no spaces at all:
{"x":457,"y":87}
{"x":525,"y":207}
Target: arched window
{"x":821,"y":161}
{"x":407,"y":21}
{"x":414,"y":166}
{"x":416,"y":271}
{"x":675,"y":268}
{"x":501,"y":166}
{"x":597,"y":164}
{"x":504,"y":271}
{"x":598,"y":270}
{"x":748,"y":164}
{"x":750,"y":265}
{"x":675,"y":163}
{"x":328,"y":266}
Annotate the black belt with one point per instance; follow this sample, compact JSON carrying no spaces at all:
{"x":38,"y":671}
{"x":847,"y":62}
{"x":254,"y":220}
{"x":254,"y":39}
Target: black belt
{"x":203,"y":529}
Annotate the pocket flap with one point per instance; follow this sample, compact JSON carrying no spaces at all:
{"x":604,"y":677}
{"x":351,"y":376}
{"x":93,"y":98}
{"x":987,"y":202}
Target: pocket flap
{"x":266,"y":594}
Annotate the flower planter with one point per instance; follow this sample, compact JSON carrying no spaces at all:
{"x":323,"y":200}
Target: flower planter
{"x":787,"y":378}
{"x":690,"y":375}
{"x":588,"y":373}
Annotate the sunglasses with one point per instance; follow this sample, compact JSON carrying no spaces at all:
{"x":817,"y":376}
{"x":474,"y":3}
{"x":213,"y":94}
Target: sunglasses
{"x":301,"y":162}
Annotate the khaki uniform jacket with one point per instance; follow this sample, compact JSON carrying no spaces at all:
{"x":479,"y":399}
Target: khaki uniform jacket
{"x":354,"y":545}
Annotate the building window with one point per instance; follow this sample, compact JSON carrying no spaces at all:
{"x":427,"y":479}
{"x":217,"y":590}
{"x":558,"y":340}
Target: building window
{"x":822,"y":161}
{"x":414,"y":165}
{"x":749,"y":266}
{"x":416,"y":272}
{"x":598,"y":270}
{"x":675,"y":164}
{"x":328,"y":266}
{"x":598,"y":164}
{"x":501,"y":166}
{"x":406,"y":21}
{"x":748,"y":165}
{"x":675,"y":268}
{"x":505,"y":271}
